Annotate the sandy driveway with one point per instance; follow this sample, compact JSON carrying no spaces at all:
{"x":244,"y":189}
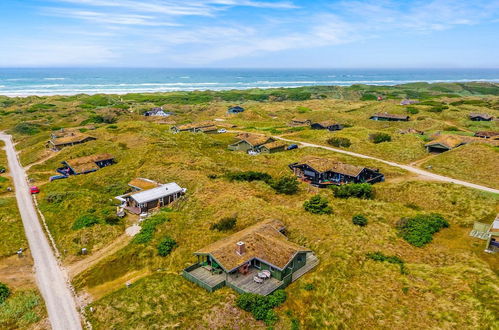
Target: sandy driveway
{"x":50,"y":278}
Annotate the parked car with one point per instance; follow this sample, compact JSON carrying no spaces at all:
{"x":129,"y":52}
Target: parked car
{"x":34,"y":190}
{"x":222,"y":130}
{"x":292,"y":146}
{"x":58,"y":177}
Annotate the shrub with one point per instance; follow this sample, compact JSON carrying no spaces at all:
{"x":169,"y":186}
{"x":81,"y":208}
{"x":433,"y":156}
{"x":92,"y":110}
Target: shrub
{"x":309,"y":287}
{"x":380,"y":137}
{"x":148,"y":228}
{"x":287,"y":185}
{"x":261,"y":306}
{"x":225,"y":224}
{"x":303,"y":109}
{"x":339,"y":142}
{"x":249,"y":176}
{"x":359,"y":220}
{"x":419,"y":229}
{"x":412,"y":110}
{"x":4,"y":292}
{"x":378,"y":256}
{"x":112,"y":219}
{"x":27,"y":128}
{"x":357,"y":190}
{"x":87,"y":220}
{"x":368,"y":97}
{"x":166,"y":246}
{"x":451,"y":129}
{"x":317,"y":205}
{"x":438,"y":108}
{"x":56,"y":197}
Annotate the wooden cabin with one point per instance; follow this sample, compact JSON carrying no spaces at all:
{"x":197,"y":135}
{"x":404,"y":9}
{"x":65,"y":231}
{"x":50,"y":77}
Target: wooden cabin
{"x":385,"y":116}
{"x":69,"y":140}
{"x":444,"y":143}
{"x":250,"y":141}
{"x":144,"y":200}
{"x":202,"y":127}
{"x":298,"y":122}
{"x":487,"y":135}
{"x":493,"y":236}
{"x":259,"y":259}
{"x":327,"y":125}
{"x":235,"y":109}
{"x":480,"y":117}
{"x":87,"y":164}
{"x":272,"y":147}
{"x":322,"y":172}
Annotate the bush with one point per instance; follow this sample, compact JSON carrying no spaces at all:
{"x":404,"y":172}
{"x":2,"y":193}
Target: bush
{"x":303,"y":109}
{"x":359,"y":220}
{"x":357,"y":190}
{"x":112,"y":219}
{"x":419,"y":229}
{"x":261,"y":306}
{"x":27,"y":128}
{"x":166,"y":246}
{"x":249,"y":176}
{"x":451,"y":129}
{"x":4,"y":292}
{"x":87,"y":220}
{"x":148,"y":228}
{"x":380,"y":137}
{"x":368,"y":97}
{"x":412,"y":110}
{"x":317,"y":205}
{"x":378,"y":256}
{"x":339,"y":142}
{"x":225,"y":224}
{"x":309,"y":287}
{"x":438,"y":108}
{"x":287,"y":185}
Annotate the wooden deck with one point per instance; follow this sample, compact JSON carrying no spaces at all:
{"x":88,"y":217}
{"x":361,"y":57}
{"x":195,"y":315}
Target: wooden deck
{"x":312,"y":261}
{"x":207,"y":277}
{"x":246,"y":283}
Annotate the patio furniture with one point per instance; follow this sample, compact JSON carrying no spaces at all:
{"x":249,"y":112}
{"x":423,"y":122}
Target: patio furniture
{"x":261,"y":275}
{"x":257,"y":279}
{"x":266,"y":273}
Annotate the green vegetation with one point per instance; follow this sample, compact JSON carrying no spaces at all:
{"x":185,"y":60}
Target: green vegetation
{"x":339,"y":142}
{"x":357,"y":190}
{"x":412,"y":110}
{"x":21,"y":310}
{"x":359,"y":220}
{"x":249,"y":176}
{"x":262,"y":306}
{"x":317,"y":205}
{"x":26,"y":128}
{"x":380,"y":137}
{"x":4,"y":292}
{"x":148,"y":228}
{"x":166,"y":245}
{"x":419,"y":230}
{"x":225,"y":224}
{"x":378,"y":256}
{"x":86,"y":220}
{"x":287,"y":185}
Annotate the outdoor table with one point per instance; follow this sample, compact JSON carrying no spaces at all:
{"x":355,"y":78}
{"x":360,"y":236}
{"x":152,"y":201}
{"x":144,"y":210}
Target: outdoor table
{"x":257,"y":279}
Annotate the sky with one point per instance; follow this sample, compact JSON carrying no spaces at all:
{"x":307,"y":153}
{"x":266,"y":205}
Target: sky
{"x":250,"y":33}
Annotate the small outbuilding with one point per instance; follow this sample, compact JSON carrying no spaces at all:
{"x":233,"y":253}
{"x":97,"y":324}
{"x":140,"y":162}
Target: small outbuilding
{"x":487,"y":135}
{"x":480,"y":117}
{"x":250,"y":141}
{"x":299,"y":122}
{"x":69,"y":140}
{"x":272,"y":147}
{"x":444,"y":143}
{"x":87,"y":164}
{"x":385,"y":116}
{"x":327,"y":125}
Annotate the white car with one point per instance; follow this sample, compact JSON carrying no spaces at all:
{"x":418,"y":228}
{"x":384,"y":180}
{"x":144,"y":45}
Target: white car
{"x":222,"y":130}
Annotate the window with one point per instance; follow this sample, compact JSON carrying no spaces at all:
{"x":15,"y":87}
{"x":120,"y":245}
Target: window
{"x":299,"y":258}
{"x":272,"y":269}
{"x":257,"y":263}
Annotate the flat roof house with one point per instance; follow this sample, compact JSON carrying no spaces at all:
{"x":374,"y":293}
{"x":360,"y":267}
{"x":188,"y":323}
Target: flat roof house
{"x":144,"y":200}
{"x":204,"y":127}
{"x":487,"y":135}
{"x":86,"y":164}
{"x":235,"y":109}
{"x":250,"y":141}
{"x":69,"y":140}
{"x":322,"y":172}
{"x":259,"y":259}
{"x":328,"y":124}
{"x":444,"y":143}
{"x":389,"y":117}
{"x":480,"y":116}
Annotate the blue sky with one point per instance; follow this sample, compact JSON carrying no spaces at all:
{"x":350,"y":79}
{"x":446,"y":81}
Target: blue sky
{"x":250,"y":33}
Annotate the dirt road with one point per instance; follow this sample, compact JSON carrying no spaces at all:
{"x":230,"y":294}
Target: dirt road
{"x":429,"y":175}
{"x":50,"y":278}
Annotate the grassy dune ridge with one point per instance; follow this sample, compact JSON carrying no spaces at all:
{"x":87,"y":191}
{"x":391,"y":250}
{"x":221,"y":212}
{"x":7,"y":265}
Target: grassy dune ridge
{"x":450,"y":282}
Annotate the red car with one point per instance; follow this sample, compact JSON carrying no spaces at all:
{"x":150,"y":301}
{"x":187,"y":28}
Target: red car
{"x":34,"y":190}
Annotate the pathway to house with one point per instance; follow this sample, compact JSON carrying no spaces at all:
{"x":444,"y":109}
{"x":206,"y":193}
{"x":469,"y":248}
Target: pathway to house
{"x":431,"y":176}
{"x":51,"y":279}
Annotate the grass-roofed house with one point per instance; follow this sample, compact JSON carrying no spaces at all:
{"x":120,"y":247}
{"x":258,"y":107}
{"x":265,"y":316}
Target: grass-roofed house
{"x":300,"y":122}
{"x":487,"y":135}
{"x":57,"y":143}
{"x":259,"y":259}
{"x":329,"y":125}
{"x":202,"y":127}
{"x":250,"y":141}
{"x":235,"y":109}
{"x":322,"y":172}
{"x":85,"y":164}
{"x":272,"y":147}
{"x":444,"y":143}
{"x":147,"y":195}
{"x":480,"y":116}
{"x":385,"y":116}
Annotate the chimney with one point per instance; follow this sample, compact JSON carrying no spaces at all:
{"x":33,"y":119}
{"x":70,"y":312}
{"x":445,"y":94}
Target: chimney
{"x":240,"y":248}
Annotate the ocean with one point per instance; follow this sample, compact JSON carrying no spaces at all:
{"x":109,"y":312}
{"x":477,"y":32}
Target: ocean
{"x":68,"y":81}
